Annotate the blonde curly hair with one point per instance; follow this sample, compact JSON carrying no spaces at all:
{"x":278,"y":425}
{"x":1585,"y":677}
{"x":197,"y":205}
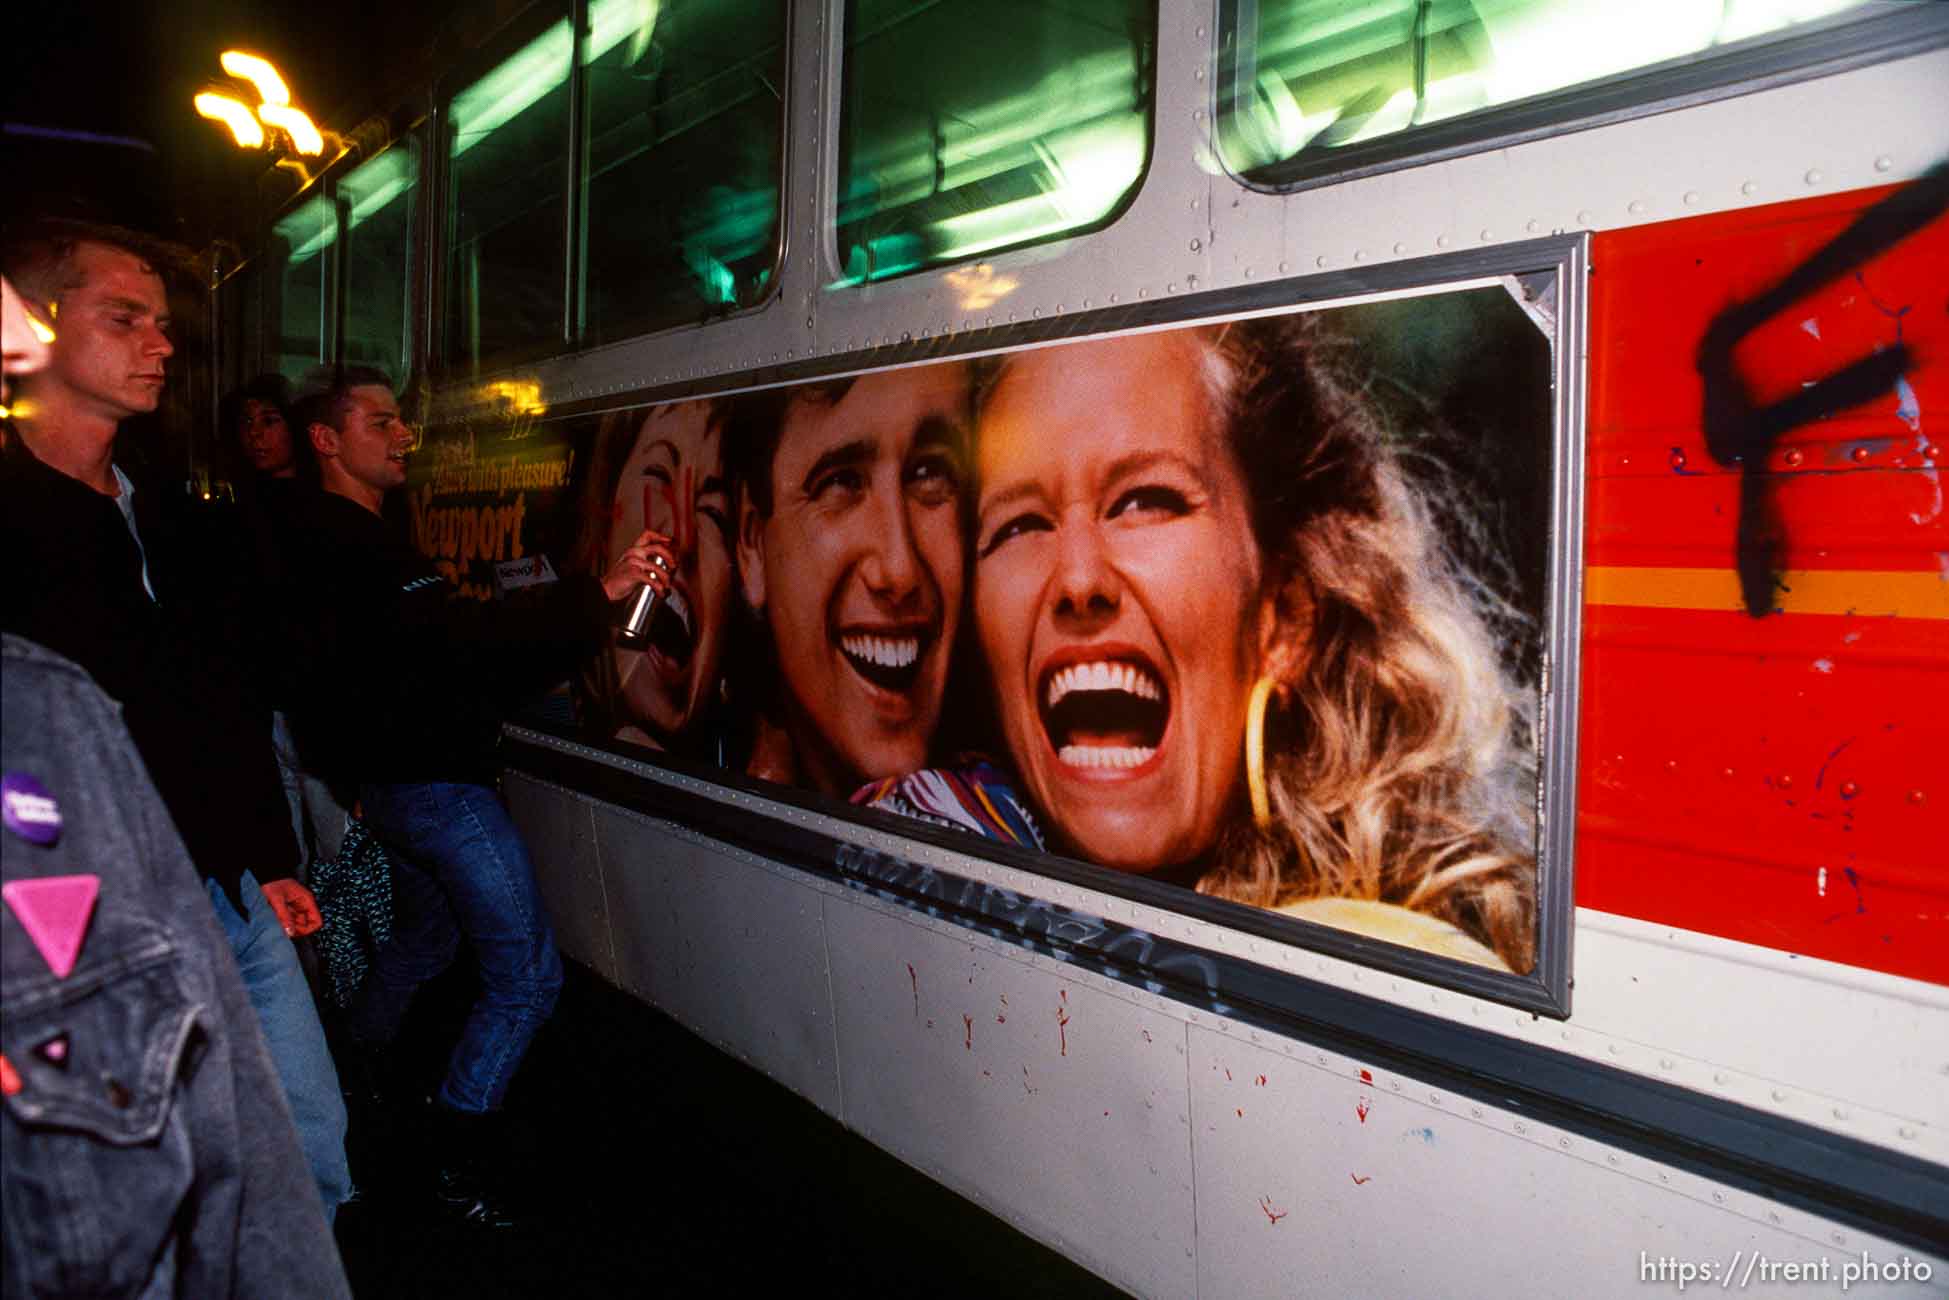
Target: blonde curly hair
{"x":1399,"y":748}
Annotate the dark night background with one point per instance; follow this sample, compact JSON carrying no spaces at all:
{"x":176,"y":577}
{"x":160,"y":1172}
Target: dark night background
{"x":119,"y":69}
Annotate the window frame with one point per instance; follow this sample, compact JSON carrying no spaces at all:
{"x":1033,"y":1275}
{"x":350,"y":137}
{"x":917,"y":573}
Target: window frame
{"x":1820,"y":48}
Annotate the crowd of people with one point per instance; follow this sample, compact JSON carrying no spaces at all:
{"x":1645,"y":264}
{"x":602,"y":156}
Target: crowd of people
{"x":196,"y":704}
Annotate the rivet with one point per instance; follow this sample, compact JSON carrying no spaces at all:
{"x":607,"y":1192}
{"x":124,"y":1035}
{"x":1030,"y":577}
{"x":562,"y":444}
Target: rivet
{"x":1779,"y":1094}
{"x":1359,"y":254}
{"x":1441,"y":241}
{"x":1521,"y":1129}
{"x":1883,"y":163}
{"x":1917,"y":798}
{"x":1718,"y":1078}
{"x":1678,"y":460}
{"x":1774,"y":1215}
{"x":1113,"y":297}
{"x":1635,"y":206}
{"x":1691,"y":198}
{"x":1929,"y":452}
{"x":1320,"y":260}
{"x":1906,"y":1131}
{"x":1610,"y":1160}
{"x":1198,"y":115}
{"x":1476,"y":1111}
{"x":1199,"y":74}
{"x":1748,"y":189}
{"x":1584,"y":216}
{"x":1719,"y":1197}
{"x":1840,"y":1239}
{"x":1793,"y":458}
{"x":1283,"y":268}
{"x":1249,"y":273}
{"x":1664,"y":1178}
{"x":1784,"y":781}
{"x":1727,"y":774}
{"x":1400,"y":247}
{"x":1143,"y":293}
{"x":1201,"y":31}
{"x":1171,"y":288}
{"x":1435,"y":1097}
{"x":1532,"y":225}
{"x":1564,"y":1143}
{"x":1616,"y":1050}
{"x":1664,"y":1062}
{"x":1196,"y":245}
{"x":1849,"y":789}
{"x":1859,"y":454}
{"x":1813,"y":176}
{"x":1487,"y":234}
{"x":1840,"y":1112}
{"x":1037,"y":313}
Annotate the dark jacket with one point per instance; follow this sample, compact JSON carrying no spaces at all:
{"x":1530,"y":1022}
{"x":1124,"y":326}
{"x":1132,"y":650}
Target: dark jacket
{"x":186,"y":667}
{"x":154,"y":1155}
{"x":404,"y":683}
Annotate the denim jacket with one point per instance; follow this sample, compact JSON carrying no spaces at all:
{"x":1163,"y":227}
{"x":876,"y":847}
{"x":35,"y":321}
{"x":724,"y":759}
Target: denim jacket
{"x":151,"y":1154}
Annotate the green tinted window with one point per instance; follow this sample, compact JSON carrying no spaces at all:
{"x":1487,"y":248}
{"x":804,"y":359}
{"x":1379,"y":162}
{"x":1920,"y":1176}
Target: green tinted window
{"x":303,"y":245}
{"x":970,"y":127}
{"x":507,"y":150}
{"x":1300,"y":79}
{"x":685,"y":139}
{"x":379,"y":200}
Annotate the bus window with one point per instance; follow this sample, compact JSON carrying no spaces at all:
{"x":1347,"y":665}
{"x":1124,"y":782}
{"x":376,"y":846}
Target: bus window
{"x":303,"y":246}
{"x":508,"y":169}
{"x":1304,"y":83}
{"x":685,"y":146}
{"x":966,"y":129}
{"x":379,"y":200}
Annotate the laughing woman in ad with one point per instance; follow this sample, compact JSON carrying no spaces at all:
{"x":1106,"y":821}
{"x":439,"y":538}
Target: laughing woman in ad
{"x":664,"y":471}
{"x":1230,"y":649}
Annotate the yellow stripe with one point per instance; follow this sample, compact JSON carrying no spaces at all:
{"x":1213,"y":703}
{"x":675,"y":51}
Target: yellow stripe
{"x":1867,"y":592}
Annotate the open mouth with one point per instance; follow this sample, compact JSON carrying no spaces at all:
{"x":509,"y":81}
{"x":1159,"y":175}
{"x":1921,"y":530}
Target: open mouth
{"x":890,"y":661}
{"x":672,"y":632}
{"x":1104,"y":714}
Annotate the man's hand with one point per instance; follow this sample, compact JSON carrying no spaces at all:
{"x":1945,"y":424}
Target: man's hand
{"x":296,"y":909}
{"x":648,"y":560}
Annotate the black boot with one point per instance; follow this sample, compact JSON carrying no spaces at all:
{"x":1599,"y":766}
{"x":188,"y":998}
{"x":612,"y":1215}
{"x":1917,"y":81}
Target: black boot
{"x":469,"y":1153}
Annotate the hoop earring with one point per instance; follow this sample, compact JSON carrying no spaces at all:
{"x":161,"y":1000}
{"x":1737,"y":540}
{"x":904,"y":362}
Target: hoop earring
{"x":1255,"y":752}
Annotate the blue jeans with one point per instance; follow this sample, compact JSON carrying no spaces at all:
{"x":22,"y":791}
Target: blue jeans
{"x":278,"y":993}
{"x":459,"y":867}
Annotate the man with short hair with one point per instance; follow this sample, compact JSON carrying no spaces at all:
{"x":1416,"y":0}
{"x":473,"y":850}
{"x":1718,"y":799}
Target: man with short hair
{"x":406,"y":687}
{"x":158,"y":611}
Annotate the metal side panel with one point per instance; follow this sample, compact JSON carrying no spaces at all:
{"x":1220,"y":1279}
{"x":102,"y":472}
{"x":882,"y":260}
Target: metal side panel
{"x":1042,"y":1093}
{"x":731,"y":947}
{"x":561,"y":839}
{"x":1319,"y":1175}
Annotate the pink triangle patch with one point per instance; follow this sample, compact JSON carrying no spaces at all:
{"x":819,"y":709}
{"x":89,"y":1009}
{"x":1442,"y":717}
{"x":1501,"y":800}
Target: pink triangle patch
{"x":54,"y":911}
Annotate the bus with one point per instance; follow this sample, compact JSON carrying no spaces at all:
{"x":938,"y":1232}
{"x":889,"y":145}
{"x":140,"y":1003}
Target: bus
{"x":1310,"y":643}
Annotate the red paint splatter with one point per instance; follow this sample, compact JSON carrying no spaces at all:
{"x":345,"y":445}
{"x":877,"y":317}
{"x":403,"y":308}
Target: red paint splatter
{"x":1272,"y":1215}
{"x":1365,"y":1077}
{"x":1106,"y":1114}
{"x":986,"y":1075}
{"x":1062,"y":1029}
{"x":1065,"y":995}
{"x":915,"y":981}
{"x":1361,"y":1108}
{"x":1261,"y":1081}
{"x":1241,"y":1114}
{"x":968,"y":1021}
{"x":1358,"y":1180}
{"x":930,"y":1023}
{"x":1001,"y":1019}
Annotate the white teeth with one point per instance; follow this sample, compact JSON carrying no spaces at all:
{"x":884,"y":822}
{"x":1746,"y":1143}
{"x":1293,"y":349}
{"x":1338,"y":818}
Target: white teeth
{"x":887,"y":652}
{"x":1103,"y":676}
{"x":1118,"y":756}
{"x":680,"y":607}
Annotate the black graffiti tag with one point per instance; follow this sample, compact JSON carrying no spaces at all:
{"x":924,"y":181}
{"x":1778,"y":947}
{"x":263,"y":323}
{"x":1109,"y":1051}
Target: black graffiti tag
{"x":1737,"y":432}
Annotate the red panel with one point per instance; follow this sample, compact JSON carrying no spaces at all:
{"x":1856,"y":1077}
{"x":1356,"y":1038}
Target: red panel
{"x":1779,"y":780}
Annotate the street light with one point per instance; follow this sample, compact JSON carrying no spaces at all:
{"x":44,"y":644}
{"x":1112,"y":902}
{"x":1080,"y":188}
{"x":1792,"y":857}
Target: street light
{"x":274,"y":107}
{"x":221,"y":108}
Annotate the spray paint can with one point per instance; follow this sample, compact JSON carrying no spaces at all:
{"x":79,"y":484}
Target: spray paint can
{"x":642,"y":607}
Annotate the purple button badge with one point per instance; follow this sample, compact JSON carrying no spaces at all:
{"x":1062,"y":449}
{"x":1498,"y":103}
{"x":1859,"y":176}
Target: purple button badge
{"x":28,"y":810}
